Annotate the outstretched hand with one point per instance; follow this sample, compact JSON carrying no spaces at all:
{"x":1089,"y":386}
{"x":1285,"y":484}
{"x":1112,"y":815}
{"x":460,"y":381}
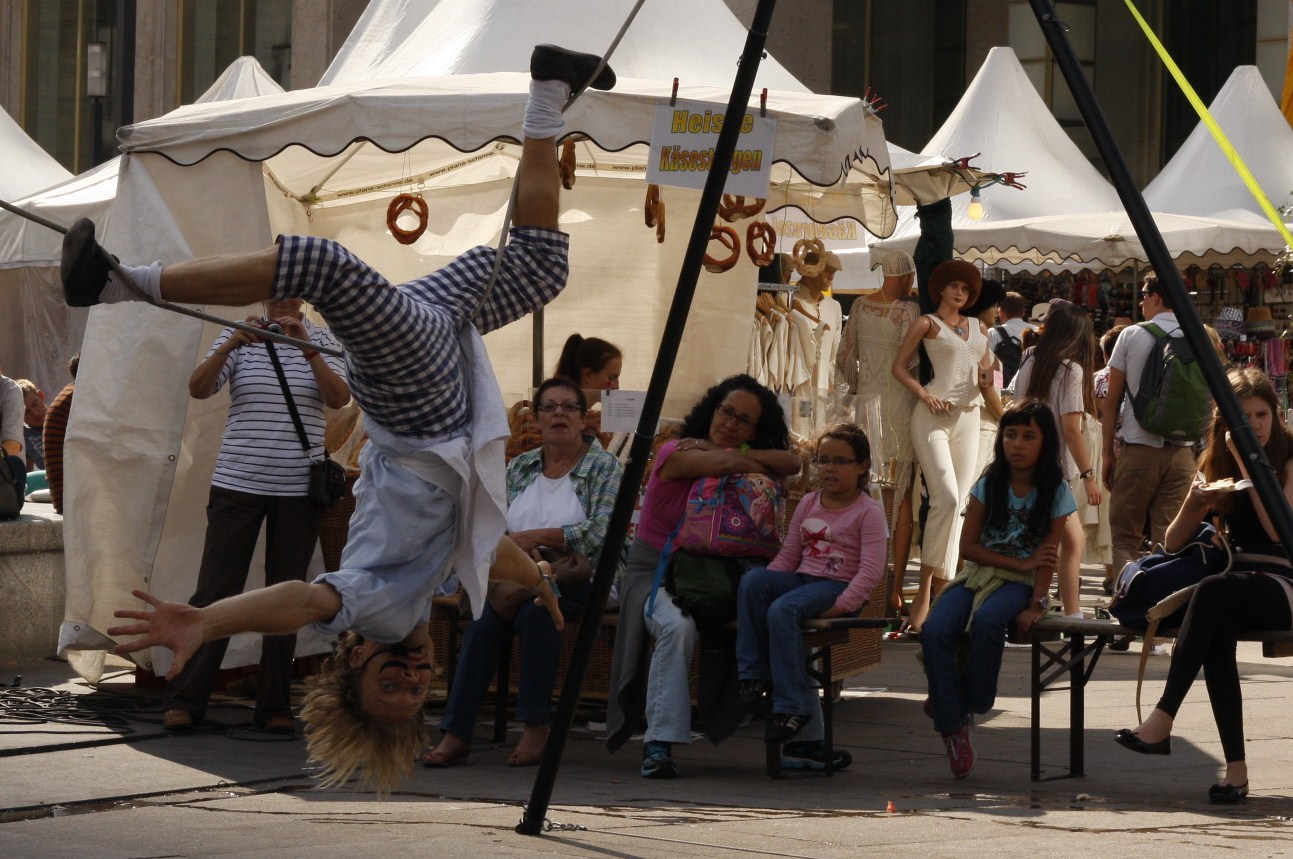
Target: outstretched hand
{"x":175,"y":626}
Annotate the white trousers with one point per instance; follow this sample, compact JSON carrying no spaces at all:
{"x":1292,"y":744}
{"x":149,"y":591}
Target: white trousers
{"x":947,"y":448}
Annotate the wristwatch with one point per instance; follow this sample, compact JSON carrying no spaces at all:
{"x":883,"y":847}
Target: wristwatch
{"x":1042,"y":602}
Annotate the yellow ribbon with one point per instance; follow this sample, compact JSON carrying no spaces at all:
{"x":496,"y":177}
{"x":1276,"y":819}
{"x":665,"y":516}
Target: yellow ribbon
{"x":1220,"y":136}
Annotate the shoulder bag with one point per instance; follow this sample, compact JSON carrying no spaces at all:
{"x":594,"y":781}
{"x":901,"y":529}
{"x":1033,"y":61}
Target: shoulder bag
{"x":327,"y":477}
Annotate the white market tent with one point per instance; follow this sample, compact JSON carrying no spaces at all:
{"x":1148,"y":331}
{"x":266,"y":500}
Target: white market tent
{"x":1199,"y":179}
{"x":27,"y":167}
{"x":223,"y":178}
{"x":37,"y":341}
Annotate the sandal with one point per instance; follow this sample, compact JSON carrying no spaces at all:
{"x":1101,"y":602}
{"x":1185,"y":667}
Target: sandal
{"x":436,"y":759}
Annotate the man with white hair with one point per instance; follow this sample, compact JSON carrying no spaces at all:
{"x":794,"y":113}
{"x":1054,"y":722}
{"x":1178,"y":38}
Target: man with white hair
{"x":883,"y":406}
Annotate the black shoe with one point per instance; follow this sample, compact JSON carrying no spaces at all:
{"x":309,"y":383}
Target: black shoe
{"x":749,"y":695}
{"x":782,"y":727}
{"x":1128,"y":739}
{"x":84,"y":270}
{"x":549,"y":62}
{"x":1227,"y":794}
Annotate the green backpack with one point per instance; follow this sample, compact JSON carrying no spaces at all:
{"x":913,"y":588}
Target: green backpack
{"x":1173,"y":400}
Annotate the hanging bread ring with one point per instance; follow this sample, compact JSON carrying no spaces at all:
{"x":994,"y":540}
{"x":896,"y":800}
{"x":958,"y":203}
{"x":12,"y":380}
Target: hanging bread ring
{"x":734,"y":208}
{"x":805,"y":266}
{"x":727,"y":238}
{"x":401,"y":204}
{"x":760,"y":243}
{"x":567,"y":164}
{"x":652,"y":204}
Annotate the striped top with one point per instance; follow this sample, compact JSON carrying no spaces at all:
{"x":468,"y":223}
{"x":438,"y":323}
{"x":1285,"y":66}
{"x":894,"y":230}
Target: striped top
{"x":261,"y":452}
{"x":55,"y":433}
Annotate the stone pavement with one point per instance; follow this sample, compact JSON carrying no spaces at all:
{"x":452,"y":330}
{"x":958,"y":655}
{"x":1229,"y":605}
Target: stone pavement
{"x":120,"y":787}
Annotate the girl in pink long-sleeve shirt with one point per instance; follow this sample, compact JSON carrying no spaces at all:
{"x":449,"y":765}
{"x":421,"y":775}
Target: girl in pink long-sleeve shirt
{"x":832,"y":559}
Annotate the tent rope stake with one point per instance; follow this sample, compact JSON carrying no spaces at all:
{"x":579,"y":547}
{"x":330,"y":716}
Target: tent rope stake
{"x":177,"y":308}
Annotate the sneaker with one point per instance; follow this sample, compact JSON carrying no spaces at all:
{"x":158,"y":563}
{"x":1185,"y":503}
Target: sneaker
{"x":657,"y":761}
{"x":782,"y":727}
{"x":748,"y":696}
{"x":960,"y":753}
{"x":811,"y":755}
{"x":549,"y":62}
{"x":83,"y":270}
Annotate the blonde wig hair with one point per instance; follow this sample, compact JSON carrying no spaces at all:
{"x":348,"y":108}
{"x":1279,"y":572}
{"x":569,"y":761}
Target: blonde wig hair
{"x":347,"y":742}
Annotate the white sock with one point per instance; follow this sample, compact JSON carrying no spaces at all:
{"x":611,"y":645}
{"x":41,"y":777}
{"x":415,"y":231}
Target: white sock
{"x":543,"y":110}
{"x":148,"y":278}
{"x":1076,"y":614}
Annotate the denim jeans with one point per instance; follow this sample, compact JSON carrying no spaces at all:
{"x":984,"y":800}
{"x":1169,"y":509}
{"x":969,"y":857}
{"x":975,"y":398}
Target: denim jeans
{"x":482,"y":646}
{"x":19,"y":469}
{"x":769,"y":643}
{"x":668,"y":699}
{"x":955,"y":689}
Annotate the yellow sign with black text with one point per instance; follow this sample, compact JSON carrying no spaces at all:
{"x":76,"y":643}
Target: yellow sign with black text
{"x":683,"y":138}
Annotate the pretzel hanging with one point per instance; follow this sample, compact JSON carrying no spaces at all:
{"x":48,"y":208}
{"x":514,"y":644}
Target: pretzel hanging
{"x":733,"y":208}
{"x":567,"y":164}
{"x":653,"y":211}
{"x":803,"y":248}
{"x":727,"y":238}
{"x":760,"y":243}
{"x":401,"y":204}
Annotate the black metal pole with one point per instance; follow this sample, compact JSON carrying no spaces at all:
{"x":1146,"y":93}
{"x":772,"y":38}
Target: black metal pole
{"x":1267,"y":483}
{"x":564,"y":716}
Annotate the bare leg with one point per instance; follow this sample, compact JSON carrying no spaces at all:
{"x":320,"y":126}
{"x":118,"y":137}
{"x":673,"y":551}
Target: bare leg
{"x":926,"y":591}
{"x":902,"y":530}
{"x":530,"y":747}
{"x":1157,"y":727}
{"x":1072,"y":544}
{"x":538,"y":184}
{"x":230,"y":279}
{"x":452,"y":749}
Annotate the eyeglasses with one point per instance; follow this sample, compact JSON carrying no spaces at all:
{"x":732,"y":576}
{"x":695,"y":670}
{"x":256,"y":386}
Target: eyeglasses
{"x":727,"y":413}
{"x":549,"y":407}
{"x":836,"y":461}
{"x":1144,"y":295}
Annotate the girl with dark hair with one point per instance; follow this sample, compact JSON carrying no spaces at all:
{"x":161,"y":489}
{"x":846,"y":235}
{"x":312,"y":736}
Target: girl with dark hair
{"x":1254,"y":595}
{"x":1013,"y":523}
{"x":1057,"y":371}
{"x":737,"y":428}
{"x":833,"y":558}
{"x":592,"y":363}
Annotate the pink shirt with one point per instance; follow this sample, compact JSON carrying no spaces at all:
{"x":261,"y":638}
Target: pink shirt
{"x":664,"y":502}
{"x":850,"y":545}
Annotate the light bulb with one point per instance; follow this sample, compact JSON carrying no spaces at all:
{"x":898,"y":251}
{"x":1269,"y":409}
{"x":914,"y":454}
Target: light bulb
{"x":974,"y":211}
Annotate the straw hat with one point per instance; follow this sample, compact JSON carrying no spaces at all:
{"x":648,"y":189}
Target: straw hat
{"x":893,"y":263}
{"x":1040,"y":309}
{"x":955,"y":269}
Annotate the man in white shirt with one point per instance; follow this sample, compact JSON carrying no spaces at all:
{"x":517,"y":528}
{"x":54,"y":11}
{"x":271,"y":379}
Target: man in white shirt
{"x":1147,"y":475}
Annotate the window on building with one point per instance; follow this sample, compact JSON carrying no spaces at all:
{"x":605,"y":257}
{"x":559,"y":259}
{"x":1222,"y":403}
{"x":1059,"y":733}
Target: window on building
{"x":214,"y":33}
{"x":1030,"y":46}
{"x":910,"y":52}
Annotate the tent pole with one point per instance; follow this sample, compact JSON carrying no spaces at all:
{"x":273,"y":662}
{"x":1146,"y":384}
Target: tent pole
{"x":1268,"y":485}
{"x":541,"y":794}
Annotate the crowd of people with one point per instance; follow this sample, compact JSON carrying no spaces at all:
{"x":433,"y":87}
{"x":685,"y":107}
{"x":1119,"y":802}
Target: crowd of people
{"x":1001,"y":488}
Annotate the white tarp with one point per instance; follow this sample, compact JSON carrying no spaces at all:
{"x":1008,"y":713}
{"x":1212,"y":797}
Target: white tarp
{"x":27,"y":167}
{"x":37,"y":340}
{"x":224,"y":178}
{"x":1200,"y":180}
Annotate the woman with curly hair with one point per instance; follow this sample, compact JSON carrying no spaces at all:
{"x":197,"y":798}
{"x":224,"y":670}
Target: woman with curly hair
{"x":1256,"y":594}
{"x":737,"y":428}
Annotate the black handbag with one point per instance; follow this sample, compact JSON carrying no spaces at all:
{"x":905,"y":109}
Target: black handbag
{"x":327,"y":477}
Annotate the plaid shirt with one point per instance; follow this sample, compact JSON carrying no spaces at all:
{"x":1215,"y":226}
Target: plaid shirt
{"x":404,"y":365}
{"x":596,"y":478}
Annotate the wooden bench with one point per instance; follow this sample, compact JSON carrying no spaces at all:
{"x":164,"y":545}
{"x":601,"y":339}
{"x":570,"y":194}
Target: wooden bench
{"x":1069,"y":648}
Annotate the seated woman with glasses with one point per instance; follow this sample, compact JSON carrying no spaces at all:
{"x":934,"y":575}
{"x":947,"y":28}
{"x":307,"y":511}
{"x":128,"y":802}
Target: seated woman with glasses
{"x":559,"y":496}
{"x":833,"y":557}
{"x":737,"y":428}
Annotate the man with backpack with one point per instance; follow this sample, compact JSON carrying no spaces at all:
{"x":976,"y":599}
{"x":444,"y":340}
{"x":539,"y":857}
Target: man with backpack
{"x":1164,"y":404}
{"x":1005,"y":340}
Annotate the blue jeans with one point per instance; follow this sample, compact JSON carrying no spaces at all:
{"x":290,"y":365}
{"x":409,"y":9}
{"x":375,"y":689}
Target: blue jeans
{"x":770,"y":608}
{"x":957,"y":690}
{"x":19,"y":469}
{"x":482,"y":647}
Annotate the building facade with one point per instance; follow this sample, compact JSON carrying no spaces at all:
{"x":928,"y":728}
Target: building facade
{"x":75,"y":70}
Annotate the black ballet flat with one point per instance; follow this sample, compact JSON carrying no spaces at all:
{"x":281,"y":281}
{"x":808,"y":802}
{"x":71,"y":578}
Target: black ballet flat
{"x":1128,"y":739}
{"x":1227,"y":794}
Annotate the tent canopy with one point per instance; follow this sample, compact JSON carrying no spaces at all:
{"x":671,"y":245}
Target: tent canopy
{"x":27,"y":167}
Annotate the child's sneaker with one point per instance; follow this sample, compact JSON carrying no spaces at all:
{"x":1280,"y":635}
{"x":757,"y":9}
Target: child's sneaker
{"x":960,"y":753}
{"x":657,"y":760}
{"x":811,"y":755}
{"x":782,"y":727}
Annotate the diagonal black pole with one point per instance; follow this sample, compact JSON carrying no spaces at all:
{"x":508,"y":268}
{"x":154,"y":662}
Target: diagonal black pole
{"x":1268,"y":484}
{"x":564,"y":716}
